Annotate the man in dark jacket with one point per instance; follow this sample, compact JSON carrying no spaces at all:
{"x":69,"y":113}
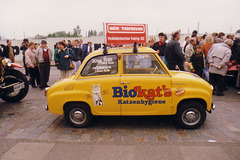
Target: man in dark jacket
{"x":8,"y":51}
{"x":77,"y":55}
{"x":174,"y":54}
{"x":238,"y":62}
{"x":84,"y":49}
{"x":24,"y":47}
{"x":0,"y":51}
{"x":160,"y":46}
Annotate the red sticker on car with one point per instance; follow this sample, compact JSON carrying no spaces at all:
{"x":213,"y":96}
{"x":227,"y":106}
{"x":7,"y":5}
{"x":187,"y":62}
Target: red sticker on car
{"x":179,"y":92}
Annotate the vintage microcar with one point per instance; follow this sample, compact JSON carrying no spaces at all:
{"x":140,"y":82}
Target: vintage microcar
{"x":130,"y":81}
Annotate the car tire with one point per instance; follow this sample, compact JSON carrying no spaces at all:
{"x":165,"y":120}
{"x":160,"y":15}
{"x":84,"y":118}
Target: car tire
{"x":191,"y":115}
{"x":78,"y":115}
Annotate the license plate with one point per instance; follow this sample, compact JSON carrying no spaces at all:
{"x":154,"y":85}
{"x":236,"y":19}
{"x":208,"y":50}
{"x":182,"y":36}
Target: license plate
{"x":19,"y":86}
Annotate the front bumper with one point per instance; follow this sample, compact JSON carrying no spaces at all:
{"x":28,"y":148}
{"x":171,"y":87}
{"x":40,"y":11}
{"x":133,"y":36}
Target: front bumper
{"x":212,"y":108}
{"x":46,"y":107}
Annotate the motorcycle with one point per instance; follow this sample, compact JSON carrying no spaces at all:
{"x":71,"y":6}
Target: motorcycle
{"x":13,"y":83}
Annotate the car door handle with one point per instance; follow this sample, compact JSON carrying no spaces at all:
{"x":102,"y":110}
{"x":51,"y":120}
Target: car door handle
{"x":125,"y":82}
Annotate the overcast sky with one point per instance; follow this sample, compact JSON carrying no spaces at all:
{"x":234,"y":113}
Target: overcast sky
{"x":47,"y":16}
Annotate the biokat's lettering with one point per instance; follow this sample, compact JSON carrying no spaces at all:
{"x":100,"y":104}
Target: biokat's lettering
{"x":138,"y":91}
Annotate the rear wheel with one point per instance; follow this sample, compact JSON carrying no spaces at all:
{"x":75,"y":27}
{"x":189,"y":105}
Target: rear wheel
{"x":191,"y":115}
{"x":78,"y":115}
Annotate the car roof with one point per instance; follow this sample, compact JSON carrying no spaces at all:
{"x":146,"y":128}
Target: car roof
{"x":121,"y":50}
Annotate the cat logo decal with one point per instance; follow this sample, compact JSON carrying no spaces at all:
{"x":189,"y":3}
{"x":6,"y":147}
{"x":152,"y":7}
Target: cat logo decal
{"x":97,"y":98}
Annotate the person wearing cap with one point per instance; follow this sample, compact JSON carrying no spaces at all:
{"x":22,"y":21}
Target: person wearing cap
{"x":218,"y":60}
{"x":221,"y":35}
{"x":44,"y":56}
{"x":174,"y":54}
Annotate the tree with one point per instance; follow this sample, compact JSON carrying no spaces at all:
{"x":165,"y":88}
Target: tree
{"x":77,"y":32}
{"x":100,"y":33}
{"x":38,"y":36}
{"x":60,"y":34}
{"x":238,"y":31}
{"x":92,"y":33}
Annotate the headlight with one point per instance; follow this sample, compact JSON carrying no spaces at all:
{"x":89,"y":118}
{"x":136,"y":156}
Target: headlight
{"x":7,"y":62}
{"x":212,"y":87}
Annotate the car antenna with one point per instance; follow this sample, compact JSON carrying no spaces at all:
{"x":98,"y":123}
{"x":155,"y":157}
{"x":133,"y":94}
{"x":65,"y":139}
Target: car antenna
{"x":105,"y":49}
{"x":135,"y":50}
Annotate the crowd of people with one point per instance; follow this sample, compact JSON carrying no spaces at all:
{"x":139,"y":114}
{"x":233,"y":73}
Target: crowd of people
{"x":37,"y":59}
{"x":207,"y":55}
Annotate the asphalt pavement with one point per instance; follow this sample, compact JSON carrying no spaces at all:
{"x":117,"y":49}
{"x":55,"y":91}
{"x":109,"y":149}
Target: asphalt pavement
{"x":29,"y":132}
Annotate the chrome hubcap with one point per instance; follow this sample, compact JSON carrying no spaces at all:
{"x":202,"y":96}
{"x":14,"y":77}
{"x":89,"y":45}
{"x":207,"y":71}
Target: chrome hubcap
{"x":191,"y":116}
{"x":77,"y":116}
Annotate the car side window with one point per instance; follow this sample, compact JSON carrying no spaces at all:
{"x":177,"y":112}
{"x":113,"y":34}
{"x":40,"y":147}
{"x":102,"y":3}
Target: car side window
{"x":141,"y":64}
{"x":101,"y":65}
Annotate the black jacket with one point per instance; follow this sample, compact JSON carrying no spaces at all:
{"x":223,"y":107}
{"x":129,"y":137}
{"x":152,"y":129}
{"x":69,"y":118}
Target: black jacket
{"x":236,"y":51}
{"x":174,"y":53}
{"x":23,"y":48}
{"x":161,"y":48}
{"x":5,"y":52}
{"x":193,"y":60}
{"x":77,"y":54}
{"x":0,"y":52}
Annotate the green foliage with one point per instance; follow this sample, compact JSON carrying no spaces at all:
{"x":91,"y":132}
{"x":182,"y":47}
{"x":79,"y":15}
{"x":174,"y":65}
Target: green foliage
{"x":238,"y":31}
{"x":38,"y":36}
{"x":92,"y":33}
{"x":76,"y":33}
{"x":58,"y":34}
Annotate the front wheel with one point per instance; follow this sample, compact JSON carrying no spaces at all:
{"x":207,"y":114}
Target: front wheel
{"x":191,"y":115}
{"x":20,"y":90}
{"x":78,"y":115}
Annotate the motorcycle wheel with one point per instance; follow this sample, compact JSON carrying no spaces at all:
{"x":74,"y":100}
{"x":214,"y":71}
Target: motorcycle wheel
{"x":14,"y":76}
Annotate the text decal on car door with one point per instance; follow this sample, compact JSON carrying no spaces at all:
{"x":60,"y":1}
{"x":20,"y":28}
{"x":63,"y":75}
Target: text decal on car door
{"x":138,"y":91}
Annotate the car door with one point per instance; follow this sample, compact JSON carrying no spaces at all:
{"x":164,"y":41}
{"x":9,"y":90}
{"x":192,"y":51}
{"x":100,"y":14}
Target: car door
{"x":145,"y":86}
{"x":97,"y":78}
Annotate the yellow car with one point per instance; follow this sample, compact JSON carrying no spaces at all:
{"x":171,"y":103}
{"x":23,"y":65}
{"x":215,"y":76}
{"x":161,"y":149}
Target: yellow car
{"x":130,"y":81}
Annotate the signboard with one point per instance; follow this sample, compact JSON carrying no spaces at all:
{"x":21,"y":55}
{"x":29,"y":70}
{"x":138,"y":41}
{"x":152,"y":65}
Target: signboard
{"x":125,"y":33}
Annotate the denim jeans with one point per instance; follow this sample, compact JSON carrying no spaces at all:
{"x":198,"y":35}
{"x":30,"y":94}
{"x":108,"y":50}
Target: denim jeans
{"x":205,"y":71}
